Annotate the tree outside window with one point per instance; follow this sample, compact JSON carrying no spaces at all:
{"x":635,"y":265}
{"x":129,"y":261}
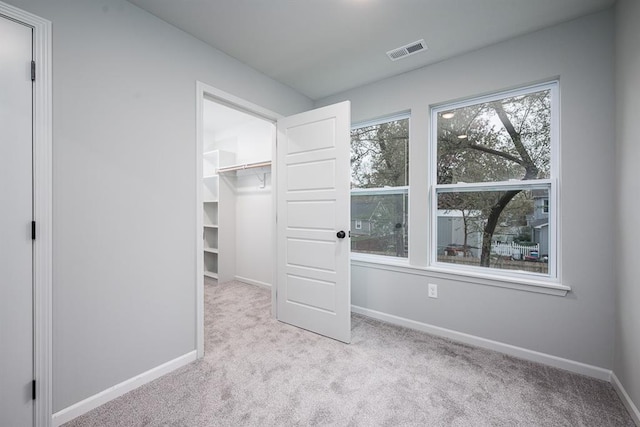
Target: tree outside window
{"x":493,"y":178}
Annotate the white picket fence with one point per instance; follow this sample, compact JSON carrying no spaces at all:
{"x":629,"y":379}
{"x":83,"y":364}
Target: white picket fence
{"x":514,"y":250}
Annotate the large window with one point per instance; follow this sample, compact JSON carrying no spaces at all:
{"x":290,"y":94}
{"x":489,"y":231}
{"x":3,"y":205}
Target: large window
{"x":380,"y":187}
{"x":493,"y":183}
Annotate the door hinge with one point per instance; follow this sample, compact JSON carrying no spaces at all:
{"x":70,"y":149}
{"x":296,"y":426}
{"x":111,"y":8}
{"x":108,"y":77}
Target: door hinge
{"x":33,"y":71}
{"x":33,"y":230}
{"x":33,"y":389}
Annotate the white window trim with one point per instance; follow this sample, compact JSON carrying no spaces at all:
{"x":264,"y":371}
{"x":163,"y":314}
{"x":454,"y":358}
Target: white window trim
{"x":553,"y":278}
{"x":384,"y":119}
{"x":402,"y":265}
{"x":375,"y":191}
{"x":531,"y":184}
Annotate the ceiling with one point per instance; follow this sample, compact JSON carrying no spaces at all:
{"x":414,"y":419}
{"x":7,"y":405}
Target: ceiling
{"x":322,"y":47}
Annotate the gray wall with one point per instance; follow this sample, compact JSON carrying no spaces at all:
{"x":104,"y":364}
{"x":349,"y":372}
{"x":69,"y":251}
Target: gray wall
{"x":627,"y":355}
{"x":124,"y":146}
{"x":581,"y":325}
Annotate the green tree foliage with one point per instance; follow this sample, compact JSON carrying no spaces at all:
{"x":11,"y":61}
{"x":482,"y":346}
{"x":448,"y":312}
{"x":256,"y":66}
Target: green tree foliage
{"x":379,"y":155}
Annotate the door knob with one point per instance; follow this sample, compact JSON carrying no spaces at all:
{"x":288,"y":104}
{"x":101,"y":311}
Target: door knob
{"x":340,"y":234}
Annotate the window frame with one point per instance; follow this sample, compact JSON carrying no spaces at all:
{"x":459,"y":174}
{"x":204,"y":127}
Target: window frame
{"x":552,"y":184}
{"x":378,"y":258}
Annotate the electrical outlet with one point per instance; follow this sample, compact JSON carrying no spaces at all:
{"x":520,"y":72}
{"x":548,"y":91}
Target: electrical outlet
{"x":433,"y":290}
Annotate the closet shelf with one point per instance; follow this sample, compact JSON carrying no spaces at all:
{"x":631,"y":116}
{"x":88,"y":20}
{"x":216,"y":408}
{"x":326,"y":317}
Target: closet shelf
{"x":210,"y":226}
{"x":211,"y":250}
{"x":211,"y":274}
{"x":244,"y":166}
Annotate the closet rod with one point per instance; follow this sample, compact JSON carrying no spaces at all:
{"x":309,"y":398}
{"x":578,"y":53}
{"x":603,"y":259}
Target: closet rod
{"x":244,"y":166}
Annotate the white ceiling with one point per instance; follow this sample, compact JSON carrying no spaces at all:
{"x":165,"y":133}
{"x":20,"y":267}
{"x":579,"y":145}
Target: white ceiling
{"x":322,"y":47}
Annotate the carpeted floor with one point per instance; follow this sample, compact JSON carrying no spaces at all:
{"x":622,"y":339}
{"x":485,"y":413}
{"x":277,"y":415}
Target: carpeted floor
{"x":260,"y":372}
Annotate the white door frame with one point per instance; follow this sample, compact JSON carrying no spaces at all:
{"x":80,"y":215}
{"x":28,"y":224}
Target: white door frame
{"x":42,"y":209}
{"x":204,"y":90}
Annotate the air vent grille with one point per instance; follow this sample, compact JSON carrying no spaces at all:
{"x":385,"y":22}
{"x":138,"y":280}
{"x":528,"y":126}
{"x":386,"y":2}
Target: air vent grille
{"x":407,"y":50}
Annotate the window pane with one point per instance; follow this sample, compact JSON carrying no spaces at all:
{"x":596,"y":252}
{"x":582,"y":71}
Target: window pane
{"x":380,"y":155}
{"x":469,"y":232}
{"x":380,"y":164}
{"x":379,"y":223}
{"x":496,"y":141}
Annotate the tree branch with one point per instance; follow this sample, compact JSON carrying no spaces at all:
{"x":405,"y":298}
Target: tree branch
{"x":529,"y":166}
{"x":488,"y":150}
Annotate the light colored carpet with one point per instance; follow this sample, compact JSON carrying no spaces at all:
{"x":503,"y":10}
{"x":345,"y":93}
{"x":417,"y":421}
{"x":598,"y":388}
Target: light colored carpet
{"x":260,"y":372}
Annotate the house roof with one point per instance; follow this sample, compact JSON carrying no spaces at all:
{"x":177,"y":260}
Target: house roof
{"x":363,"y":210}
{"x":539,"y":223}
{"x":540,"y":194}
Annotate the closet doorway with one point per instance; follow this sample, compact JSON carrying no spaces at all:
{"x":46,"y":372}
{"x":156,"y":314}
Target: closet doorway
{"x":292,"y":236}
{"x":237,"y":196}
{"x":236,"y":145}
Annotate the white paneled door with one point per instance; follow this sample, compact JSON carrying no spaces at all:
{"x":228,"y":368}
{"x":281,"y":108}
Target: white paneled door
{"x":16,"y":283}
{"x":313,"y":218}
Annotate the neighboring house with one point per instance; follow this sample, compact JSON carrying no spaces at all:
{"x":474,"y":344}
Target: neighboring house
{"x":375,"y":216}
{"x":451,"y":233}
{"x":377,"y":226}
{"x":362,"y":217}
{"x":451,"y":229}
{"x":539,"y":221}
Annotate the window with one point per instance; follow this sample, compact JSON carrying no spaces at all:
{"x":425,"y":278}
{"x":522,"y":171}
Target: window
{"x":380,"y":187}
{"x":493,"y":183}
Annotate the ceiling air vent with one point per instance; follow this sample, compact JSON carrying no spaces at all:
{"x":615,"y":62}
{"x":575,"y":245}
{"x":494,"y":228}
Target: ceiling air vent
{"x":407,"y":50}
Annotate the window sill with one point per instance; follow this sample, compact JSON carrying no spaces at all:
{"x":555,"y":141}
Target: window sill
{"x":403,"y":266}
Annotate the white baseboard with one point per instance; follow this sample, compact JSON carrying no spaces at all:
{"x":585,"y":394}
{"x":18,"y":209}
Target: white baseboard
{"x":626,"y":399}
{"x":92,"y":402}
{"x":264,"y":285}
{"x":522,"y":353}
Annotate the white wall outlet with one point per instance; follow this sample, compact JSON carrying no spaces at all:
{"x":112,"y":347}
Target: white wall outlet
{"x":433,"y":290}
